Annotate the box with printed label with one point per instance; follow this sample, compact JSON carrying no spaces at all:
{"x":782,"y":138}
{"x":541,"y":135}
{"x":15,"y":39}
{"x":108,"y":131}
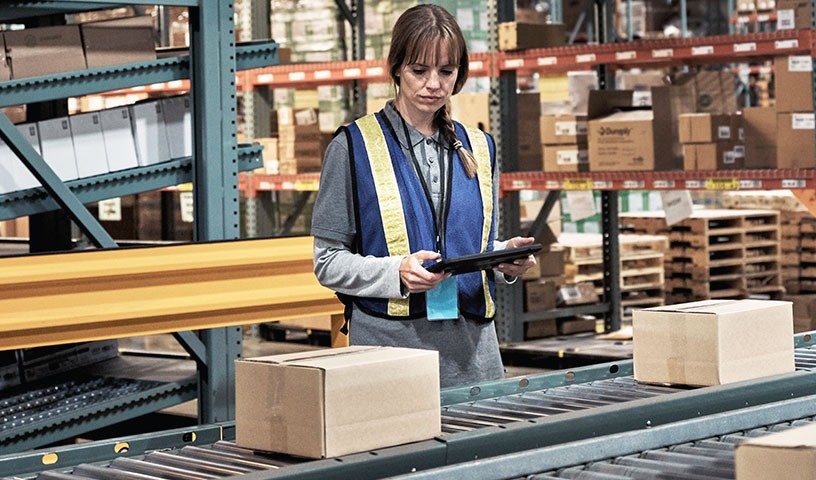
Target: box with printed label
{"x":796,"y":149}
{"x":622,"y":138}
{"x":793,"y":14}
{"x":178,"y":117}
{"x":794,"y":83}
{"x":117,"y":132}
{"x":150,"y":132}
{"x":336,"y":402}
{"x":540,"y":294}
{"x":705,"y":128}
{"x":118,"y":41}
{"x":563,"y":129}
{"x":521,"y":36}
{"x":43,"y":51}
{"x":712,"y":342}
{"x":713,"y":156}
{"x":58,"y":147}
{"x":89,"y":144}
{"x":788,"y":454}
{"x":566,"y":158}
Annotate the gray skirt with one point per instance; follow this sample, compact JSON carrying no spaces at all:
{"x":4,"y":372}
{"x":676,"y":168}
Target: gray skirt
{"x":468,"y":350}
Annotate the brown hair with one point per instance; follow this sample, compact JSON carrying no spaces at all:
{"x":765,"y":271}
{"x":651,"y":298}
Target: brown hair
{"x":420,"y":33}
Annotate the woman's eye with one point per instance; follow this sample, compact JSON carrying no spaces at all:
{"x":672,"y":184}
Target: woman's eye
{"x":418,"y":71}
{"x":447,"y":73}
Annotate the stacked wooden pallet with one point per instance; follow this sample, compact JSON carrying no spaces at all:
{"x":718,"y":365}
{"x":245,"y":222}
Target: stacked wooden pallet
{"x":642,"y":272}
{"x":718,"y":253}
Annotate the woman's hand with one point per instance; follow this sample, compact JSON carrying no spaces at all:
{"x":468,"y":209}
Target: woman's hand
{"x":415,"y":277}
{"x":519,"y":266}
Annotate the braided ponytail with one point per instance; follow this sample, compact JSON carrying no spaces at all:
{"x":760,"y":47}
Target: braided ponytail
{"x":445,"y":125}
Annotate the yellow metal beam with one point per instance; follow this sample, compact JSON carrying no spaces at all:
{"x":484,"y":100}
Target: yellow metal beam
{"x":93,"y":295}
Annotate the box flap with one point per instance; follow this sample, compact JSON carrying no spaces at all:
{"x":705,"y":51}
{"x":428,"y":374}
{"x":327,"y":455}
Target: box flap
{"x":718,"y":307}
{"x":629,"y":116}
{"x":309,"y":358}
{"x":702,"y":306}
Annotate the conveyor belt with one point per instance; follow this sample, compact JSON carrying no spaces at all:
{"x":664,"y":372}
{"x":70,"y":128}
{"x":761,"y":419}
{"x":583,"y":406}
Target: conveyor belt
{"x":504,"y":419}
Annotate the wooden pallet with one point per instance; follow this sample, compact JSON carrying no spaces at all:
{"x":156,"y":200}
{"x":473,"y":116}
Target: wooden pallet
{"x":589,"y":246}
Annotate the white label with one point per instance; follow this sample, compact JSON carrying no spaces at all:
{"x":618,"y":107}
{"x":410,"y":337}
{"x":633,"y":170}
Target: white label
{"x":186,"y":205}
{"x":374,"y":71}
{"x":741,"y":134}
{"x":476,"y":65}
{"x":750,"y":184}
{"x":588,"y":57}
{"x":634,"y":184}
{"x":581,"y":204}
{"x":626,"y":56}
{"x":763,"y":17}
{"x":745,"y":47}
{"x":352,"y":72}
{"x":566,"y":157}
{"x":786,"y":44}
{"x":297,"y":76}
{"x":800,"y":63}
{"x":663,"y":53}
{"x":521,"y":184}
{"x":514,"y":63}
{"x":322,"y":74}
{"x":785,"y":20}
{"x":642,"y":98}
{"x":553,"y":185}
{"x":571,"y":128}
{"x":663,"y":184}
{"x":110,"y":210}
{"x":694,"y":184}
{"x":543,"y":61}
{"x":803,"y":121}
{"x":729,"y":158}
{"x":724,"y":132}
{"x":706,"y":50}
{"x":739,"y":151}
{"x":677,"y":204}
{"x":265,"y":78}
{"x":601,"y":185}
{"x":793,"y":184}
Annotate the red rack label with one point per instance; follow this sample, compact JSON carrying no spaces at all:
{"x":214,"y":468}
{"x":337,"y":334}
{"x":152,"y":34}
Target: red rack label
{"x":745,"y":47}
{"x":514,"y":63}
{"x":543,"y":61}
{"x":631,"y":55}
{"x":706,"y":50}
{"x":663,"y":53}
{"x":585,"y":58}
{"x":786,"y":44}
{"x":663,"y":184}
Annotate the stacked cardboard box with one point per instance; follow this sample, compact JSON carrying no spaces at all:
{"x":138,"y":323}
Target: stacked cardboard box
{"x":794,"y":108}
{"x":760,"y":137}
{"x":718,"y":253}
{"x":529,"y":132}
{"x":711,"y":141}
{"x":793,"y":14}
{"x":301,"y":143}
{"x":564,"y":142}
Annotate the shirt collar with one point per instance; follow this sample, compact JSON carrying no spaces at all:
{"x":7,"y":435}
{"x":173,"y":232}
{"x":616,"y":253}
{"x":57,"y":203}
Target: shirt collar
{"x":416,"y":136}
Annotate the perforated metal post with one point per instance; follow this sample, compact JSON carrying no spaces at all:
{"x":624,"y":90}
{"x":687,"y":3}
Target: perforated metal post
{"x":611,"y":259}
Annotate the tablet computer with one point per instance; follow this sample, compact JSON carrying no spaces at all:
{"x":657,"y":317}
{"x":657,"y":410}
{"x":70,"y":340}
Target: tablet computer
{"x":482,"y":261}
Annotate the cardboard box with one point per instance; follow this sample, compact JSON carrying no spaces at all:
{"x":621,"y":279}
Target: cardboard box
{"x":473,"y":109}
{"x":713,"y":342}
{"x":117,"y":132}
{"x":328,"y":403}
{"x":804,"y":312}
{"x":788,"y":454}
{"x":760,"y":125}
{"x":150,"y":132}
{"x":44,"y":51}
{"x":566,"y":158}
{"x":577,"y":294}
{"x":794,"y":83}
{"x":563,"y":129}
{"x":179,"y":120}
{"x":58,"y":147}
{"x":542,"y":328}
{"x":712,"y":156}
{"x":89,"y":144}
{"x":522,"y":36}
{"x":114,"y":42}
{"x":793,"y":14}
{"x":541,"y":294}
{"x":796,"y":148}
{"x":529,"y":132}
{"x":570,"y":326}
{"x":705,"y":128}
{"x":630,"y":139}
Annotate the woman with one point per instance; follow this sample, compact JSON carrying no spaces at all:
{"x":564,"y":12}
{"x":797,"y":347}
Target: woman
{"x":403,"y":188}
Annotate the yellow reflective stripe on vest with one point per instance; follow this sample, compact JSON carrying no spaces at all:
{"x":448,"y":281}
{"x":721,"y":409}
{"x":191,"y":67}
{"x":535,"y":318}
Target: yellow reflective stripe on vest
{"x":385,"y":183}
{"x":484,"y":173}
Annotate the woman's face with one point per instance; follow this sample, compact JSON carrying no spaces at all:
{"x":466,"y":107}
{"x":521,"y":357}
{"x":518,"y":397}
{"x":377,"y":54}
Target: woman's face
{"x":426,"y":86}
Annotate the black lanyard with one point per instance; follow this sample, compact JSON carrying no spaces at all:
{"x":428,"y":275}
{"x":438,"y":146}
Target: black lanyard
{"x":439,"y":222}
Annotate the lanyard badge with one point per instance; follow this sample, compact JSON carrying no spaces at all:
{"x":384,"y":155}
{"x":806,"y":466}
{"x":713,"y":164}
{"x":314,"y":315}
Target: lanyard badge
{"x":442,"y":301}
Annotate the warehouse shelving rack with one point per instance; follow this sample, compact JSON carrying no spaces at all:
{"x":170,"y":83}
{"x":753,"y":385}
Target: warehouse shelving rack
{"x":211,"y":66}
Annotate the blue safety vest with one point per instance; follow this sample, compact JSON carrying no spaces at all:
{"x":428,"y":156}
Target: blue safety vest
{"x":394,"y":217}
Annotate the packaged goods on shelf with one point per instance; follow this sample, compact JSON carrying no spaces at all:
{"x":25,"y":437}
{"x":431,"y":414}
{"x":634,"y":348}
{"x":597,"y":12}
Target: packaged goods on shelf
{"x":760,"y":137}
{"x":793,"y":14}
{"x":564,"y":142}
{"x":299,"y":403}
{"x":566,"y":158}
{"x":712,"y":141}
{"x":5,"y":62}
{"x":577,"y":294}
{"x":529,"y":138}
{"x":114,"y":42}
{"x":150,"y":132}
{"x":713,"y":156}
{"x":795,"y":147}
{"x":794,"y":84}
{"x":58,"y":147}
{"x":120,"y":145}
{"x":521,"y":36}
{"x":789,"y":454}
{"x":639,"y":80}
{"x":89,"y":144}
{"x":712,"y":342}
{"x":579,"y":86}
{"x":178,"y":119}
{"x":44,"y":51}
{"x":540,"y":294}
